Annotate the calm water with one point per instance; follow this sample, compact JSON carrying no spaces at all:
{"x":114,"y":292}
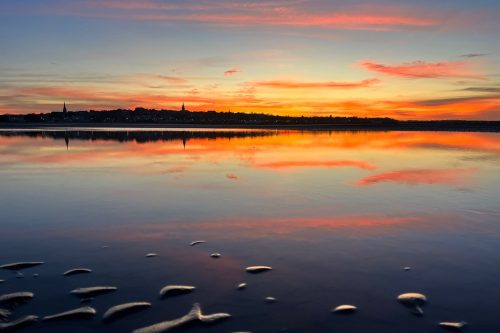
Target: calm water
{"x":337,"y":215}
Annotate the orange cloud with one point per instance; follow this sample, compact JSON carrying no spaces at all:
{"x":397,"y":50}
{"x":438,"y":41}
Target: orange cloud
{"x":479,"y":107}
{"x":43,"y":98}
{"x":316,"y":85}
{"x":419,"y":176}
{"x":231,"y":72}
{"x":311,"y":164}
{"x":422,"y":69}
{"x":473,"y":107}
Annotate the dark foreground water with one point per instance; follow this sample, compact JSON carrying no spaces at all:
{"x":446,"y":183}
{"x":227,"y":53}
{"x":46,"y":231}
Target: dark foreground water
{"x":337,"y":215}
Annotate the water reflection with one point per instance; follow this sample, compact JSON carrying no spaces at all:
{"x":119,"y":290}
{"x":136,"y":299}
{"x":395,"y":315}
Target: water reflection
{"x":420,"y":176}
{"x":134,"y":135}
{"x":337,"y":215}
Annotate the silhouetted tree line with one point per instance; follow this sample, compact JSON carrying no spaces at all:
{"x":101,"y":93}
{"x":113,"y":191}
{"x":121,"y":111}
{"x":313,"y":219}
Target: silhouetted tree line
{"x":152,"y":116}
{"x":148,"y":116}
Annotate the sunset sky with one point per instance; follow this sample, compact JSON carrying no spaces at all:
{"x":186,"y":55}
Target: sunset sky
{"x":403,"y":59}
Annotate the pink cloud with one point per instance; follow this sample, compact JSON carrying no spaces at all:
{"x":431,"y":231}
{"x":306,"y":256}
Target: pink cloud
{"x":231,"y":72}
{"x":422,"y":69}
{"x":333,"y":21}
{"x":298,"y":13}
{"x":306,"y":85}
{"x":419,"y":176}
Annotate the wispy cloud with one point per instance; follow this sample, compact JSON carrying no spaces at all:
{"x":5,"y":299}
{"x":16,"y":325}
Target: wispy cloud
{"x":464,"y":107}
{"x":198,"y":5}
{"x":479,"y":107}
{"x":422,"y":69}
{"x":493,"y":90}
{"x":173,"y":79}
{"x":333,"y":21}
{"x":306,"y":85}
{"x":298,"y":13}
{"x":231,"y":72}
{"x":454,"y":100}
{"x":473,"y":55}
{"x":232,"y":176}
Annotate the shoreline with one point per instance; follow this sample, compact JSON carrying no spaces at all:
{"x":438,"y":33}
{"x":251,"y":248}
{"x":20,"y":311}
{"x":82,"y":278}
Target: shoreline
{"x":491,"y":127}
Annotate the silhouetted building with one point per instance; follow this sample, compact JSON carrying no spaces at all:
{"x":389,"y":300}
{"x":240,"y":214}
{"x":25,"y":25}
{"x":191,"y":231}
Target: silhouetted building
{"x":64,"y":108}
{"x":183,"y":108}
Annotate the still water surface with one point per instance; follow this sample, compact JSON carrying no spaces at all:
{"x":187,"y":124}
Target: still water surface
{"x":336,"y":214}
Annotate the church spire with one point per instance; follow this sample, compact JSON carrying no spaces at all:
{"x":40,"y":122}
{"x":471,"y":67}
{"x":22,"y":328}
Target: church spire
{"x":64,"y":108}
{"x":183,"y":107}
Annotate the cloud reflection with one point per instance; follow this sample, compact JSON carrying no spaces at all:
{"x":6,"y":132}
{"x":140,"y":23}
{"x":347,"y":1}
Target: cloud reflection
{"x":420,"y":176}
{"x":313,"y":164}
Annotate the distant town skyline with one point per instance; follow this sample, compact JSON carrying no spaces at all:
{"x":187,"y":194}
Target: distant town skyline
{"x":401,"y":59}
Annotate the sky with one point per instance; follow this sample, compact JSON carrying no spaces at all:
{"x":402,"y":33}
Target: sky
{"x":401,"y":59}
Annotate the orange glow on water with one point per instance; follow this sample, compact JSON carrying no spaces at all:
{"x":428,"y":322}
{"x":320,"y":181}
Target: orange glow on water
{"x":312,"y":164}
{"x":265,"y":152}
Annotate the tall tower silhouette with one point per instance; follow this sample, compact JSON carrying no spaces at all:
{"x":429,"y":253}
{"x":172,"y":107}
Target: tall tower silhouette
{"x":64,"y":108}
{"x":183,"y":108}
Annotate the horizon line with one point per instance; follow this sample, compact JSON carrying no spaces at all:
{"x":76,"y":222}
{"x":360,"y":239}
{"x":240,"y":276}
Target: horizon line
{"x":252,"y":113}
